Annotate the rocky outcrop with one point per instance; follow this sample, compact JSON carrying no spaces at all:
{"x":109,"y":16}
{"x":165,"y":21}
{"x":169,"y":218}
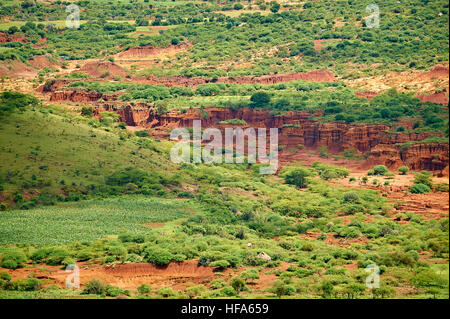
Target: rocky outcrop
{"x":315,"y":76}
{"x":132,"y":115}
{"x":297,"y":127}
{"x":80,"y":96}
{"x":176,"y":80}
{"x":418,"y":156}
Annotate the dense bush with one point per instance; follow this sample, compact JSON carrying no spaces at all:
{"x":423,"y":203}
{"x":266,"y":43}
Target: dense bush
{"x":420,"y":188}
{"x":157,"y":256}
{"x":424,"y":178}
{"x":296,"y":176}
{"x":11,"y":101}
{"x":380,"y":170}
{"x":13,"y":259}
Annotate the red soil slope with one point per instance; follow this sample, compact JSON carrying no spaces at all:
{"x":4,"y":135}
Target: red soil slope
{"x":104,"y":69}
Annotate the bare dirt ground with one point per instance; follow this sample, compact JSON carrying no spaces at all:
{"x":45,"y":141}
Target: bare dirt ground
{"x":307,"y":156}
{"x":125,"y":276}
{"x":410,"y":81}
{"x":177,"y":275}
{"x":434,"y":205}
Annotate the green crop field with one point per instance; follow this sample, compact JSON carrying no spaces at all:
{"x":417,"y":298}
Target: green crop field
{"x":89,"y":220}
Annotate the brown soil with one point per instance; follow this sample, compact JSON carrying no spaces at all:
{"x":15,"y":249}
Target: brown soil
{"x":154,"y":225}
{"x":430,"y":205}
{"x":126,"y":276}
{"x":151,"y":52}
{"x":420,"y":82}
{"x":177,"y":275}
{"x":41,"y":61}
{"x":103,"y":69}
{"x":18,"y":37}
{"x":433,"y":205}
{"x":437,"y":97}
{"x":16,"y":69}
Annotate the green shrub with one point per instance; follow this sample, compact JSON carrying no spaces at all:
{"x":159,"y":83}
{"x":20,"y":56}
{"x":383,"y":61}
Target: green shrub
{"x":403,"y":170}
{"x":144,"y":289}
{"x":142,"y":133}
{"x":351,"y":197}
{"x":234,"y":122}
{"x":5,"y":276}
{"x":9,"y":264}
{"x":95,"y":287}
{"x":260,"y":99}
{"x":113,"y":291}
{"x":279,"y":288}
{"x":419,"y":189}
{"x":308,"y":246}
{"x":157,"y":256}
{"x":296,"y":176}
{"x":237,"y":283}
{"x":423,"y":177}
{"x":166,"y":292}
{"x":218,"y":283}
{"x":87,"y":111}
{"x":203,"y":261}
{"x":57,"y":256}
{"x":380,"y":170}
{"x":84,"y":255}
{"x":220,"y":264}
{"x":13,"y":258}
{"x":228,"y":291}
{"x":29,"y":284}
{"x":441,"y":187}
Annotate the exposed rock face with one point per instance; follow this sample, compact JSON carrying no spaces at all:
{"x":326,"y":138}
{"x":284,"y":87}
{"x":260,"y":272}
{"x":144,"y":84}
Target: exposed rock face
{"x":170,"y":81}
{"x":136,"y":115}
{"x":316,"y":76}
{"x":438,"y":71}
{"x":419,"y":156}
{"x":430,"y":156}
{"x":263,"y":255}
{"x":296,"y":127}
{"x":80,"y":96}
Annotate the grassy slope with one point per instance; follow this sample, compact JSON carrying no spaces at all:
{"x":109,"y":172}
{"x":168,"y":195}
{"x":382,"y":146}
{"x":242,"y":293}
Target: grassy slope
{"x":64,"y":147}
